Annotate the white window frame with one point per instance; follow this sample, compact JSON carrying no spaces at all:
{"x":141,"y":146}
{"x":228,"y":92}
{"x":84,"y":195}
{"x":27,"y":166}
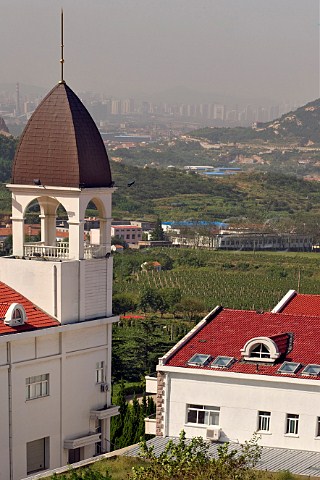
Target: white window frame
{"x":265,"y":357}
{"x":37,"y":386}
{"x":209,"y":414}
{"x":292,"y":424}
{"x":264,"y":421}
{"x":100,"y":372}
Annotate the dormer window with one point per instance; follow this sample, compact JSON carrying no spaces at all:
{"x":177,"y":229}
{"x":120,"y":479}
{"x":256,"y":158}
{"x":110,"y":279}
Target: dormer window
{"x":260,"y":349}
{"x":15,"y":316}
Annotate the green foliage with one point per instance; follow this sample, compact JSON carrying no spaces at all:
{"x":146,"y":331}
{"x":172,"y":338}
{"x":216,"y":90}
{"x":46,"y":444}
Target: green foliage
{"x":285,"y":475}
{"x":83,"y":474}
{"x":7,"y":151}
{"x":119,"y":241}
{"x":123,"y":303}
{"x":151,"y":300}
{"x":241,"y":280}
{"x":282,"y":201}
{"x":127,"y":428}
{"x":158,"y":233}
{"x":137,"y":345}
{"x":189,"y":460}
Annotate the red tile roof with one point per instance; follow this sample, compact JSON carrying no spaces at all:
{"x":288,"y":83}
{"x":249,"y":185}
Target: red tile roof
{"x":302,"y":304}
{"x":227,"y":332}
{"x":36,"y":318}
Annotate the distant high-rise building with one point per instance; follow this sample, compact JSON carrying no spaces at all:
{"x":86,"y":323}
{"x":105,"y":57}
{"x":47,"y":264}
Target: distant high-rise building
{"x":18,"y":111}
{"x":219,"y":112}
{"x":115,"y":107}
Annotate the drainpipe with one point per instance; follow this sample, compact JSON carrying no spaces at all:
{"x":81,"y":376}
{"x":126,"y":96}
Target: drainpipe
{"x":10,"y":407}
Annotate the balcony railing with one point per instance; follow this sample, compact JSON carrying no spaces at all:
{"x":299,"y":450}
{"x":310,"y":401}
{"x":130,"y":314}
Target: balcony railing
{"x":61,"y":251}
{"x":37,"y":250}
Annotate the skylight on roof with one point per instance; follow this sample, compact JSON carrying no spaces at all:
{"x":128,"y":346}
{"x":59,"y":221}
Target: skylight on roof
{"x":311,"y":369}
{"x":222,"y":362}
{"x":289,"y":367}
{"x":199,"y":360}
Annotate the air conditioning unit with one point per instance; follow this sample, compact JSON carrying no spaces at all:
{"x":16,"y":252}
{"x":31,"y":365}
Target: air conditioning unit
{"x":213,"y":434}
{"x":104,"y":387}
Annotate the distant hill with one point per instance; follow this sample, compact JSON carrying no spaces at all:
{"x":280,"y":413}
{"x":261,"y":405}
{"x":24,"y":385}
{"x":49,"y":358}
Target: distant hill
{"x":285,"y":202}
{"x":300,"y":127}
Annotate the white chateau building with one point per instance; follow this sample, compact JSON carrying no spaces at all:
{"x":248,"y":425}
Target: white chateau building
{"x":55,"y":301}
{"x":239,"y":372}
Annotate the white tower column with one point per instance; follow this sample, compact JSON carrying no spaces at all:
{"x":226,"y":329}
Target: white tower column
{"x":48,"y":229}
{"x":17,"y":236}
{"x":76,"y":240}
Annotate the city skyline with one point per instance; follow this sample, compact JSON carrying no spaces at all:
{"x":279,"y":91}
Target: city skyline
{"x":237,"y":49}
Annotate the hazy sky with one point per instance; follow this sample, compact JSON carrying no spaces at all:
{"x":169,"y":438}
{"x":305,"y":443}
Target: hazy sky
{"x":240,"y":48}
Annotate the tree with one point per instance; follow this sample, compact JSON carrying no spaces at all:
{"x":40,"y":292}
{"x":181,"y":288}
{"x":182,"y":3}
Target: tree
{"x":150,"y":299}
{"x":122,"y":303}
{"x":190,"y":460}
{"x":117,"y":423}
{"x":157,"y":233}
{"x":171,"y":297}
{"x":119,"y":241}
{"x":192,"y":307}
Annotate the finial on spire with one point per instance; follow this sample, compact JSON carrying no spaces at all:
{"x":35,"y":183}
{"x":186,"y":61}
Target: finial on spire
{"x":62,"y":45}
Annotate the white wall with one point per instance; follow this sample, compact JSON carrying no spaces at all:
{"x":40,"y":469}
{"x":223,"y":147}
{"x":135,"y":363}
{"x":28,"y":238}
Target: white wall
{"x":71,"y":291}
{"x":69,"y":355}
{"x":240,"y":399}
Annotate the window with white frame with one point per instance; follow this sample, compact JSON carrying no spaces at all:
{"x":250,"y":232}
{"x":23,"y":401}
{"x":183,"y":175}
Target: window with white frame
{"x":318,"y":427}
{"x":292,"y":425}
{"x":203,"y":415}
{"x":99,"y":372}
{"x":37,"y":386}
{"x":264,"y":421}
{"x":260,"y":351}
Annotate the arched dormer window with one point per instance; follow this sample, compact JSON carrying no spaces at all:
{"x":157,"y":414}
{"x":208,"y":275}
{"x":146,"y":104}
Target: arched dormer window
{"x":16,"y":315}
{"x":260,"y":349}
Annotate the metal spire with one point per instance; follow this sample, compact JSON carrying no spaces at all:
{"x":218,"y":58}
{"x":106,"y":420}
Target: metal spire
{"x":62,"y":45}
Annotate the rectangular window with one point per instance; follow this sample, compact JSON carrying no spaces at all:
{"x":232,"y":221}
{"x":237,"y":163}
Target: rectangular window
{"x":318,"y":427}
{"x":264,"y":421}
{"x":37,"y":386}
{"x":203,"y":415}
{"x":99,"y":372}
{"x":292,"y":424}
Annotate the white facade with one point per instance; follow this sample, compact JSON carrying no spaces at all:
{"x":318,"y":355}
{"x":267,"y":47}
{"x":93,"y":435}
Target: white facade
{"x":240,"y":398}
{"x":240,"y":372}
{"x":64,"y":414}
{"x":56,"y":382}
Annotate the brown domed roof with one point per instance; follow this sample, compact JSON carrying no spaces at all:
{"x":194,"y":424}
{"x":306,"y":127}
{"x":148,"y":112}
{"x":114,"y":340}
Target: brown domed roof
{"x":61,"y":145}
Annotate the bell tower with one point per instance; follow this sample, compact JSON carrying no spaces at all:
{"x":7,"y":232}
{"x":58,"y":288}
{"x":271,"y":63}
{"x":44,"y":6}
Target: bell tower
{"x":61,"y":160}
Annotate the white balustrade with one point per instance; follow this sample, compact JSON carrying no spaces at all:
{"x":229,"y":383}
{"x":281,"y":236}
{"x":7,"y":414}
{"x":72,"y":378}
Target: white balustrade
{"x":61,"y":251}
